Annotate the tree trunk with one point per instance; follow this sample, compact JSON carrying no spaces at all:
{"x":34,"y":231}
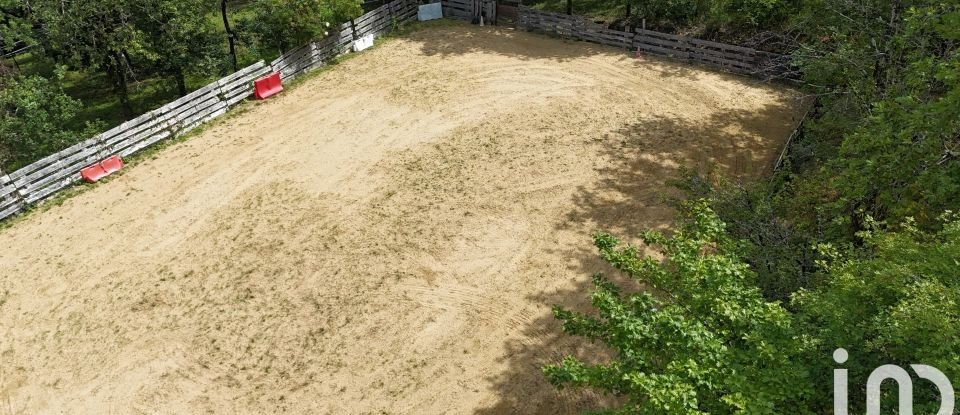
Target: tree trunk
{"x":569,"y":7}
{"x":181,"y":82}
{"x":120,"y":83}
{"x":230,"y":36}
{"x":883,"y":64}
{"x":628,"y":10}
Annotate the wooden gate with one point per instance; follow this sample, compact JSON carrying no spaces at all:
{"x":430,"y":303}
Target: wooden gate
{"x":471,"y":10}
{"x":508,"y":12}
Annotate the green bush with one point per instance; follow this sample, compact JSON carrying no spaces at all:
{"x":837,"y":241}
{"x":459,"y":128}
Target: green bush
{"x":895,"y":302}
{"x":279,"y":25}
{"x":702,"y":339}
{"x":33,"y":113}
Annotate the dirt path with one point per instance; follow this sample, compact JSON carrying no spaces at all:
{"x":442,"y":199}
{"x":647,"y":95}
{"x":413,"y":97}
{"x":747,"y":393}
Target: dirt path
{"x":387,"y":237}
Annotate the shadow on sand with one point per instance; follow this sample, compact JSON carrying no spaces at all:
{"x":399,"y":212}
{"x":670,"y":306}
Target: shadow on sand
{"x":630,"y":197}
{"x":461,"y":38}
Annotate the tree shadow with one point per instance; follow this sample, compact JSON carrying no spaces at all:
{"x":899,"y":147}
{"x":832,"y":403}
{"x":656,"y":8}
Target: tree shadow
{"x":455,"y":38}
{"x":630,"y":196}
{"x":461,"y":38}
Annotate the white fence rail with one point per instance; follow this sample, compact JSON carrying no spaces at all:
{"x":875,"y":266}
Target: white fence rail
{"x":44,"y":178}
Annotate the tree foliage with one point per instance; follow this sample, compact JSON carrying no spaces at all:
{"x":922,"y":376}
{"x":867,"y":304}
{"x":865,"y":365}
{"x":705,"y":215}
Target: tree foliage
{"x":33,"y":113}
{"x":281,"y":24}
{"x":99,"y":35}
{"x":707,"y":342}
{"x":15,"y":27}
{"x":182,"y":39}
{"x":889,"y":73}
{"x":895,"y":302}
{"x":702,"y":339}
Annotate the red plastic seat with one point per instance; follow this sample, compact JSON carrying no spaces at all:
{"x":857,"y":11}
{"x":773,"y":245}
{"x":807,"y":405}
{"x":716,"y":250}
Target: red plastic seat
{"x":267,"y":86}
{"x":102,"y":169}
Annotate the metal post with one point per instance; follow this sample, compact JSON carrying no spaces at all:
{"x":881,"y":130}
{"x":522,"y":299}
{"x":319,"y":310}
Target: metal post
{"x":231,"y":38}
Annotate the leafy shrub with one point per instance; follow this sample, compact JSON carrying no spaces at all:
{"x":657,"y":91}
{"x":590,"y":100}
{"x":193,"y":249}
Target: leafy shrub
{"x":707,"y":342}
{"x":33,"y":114}
{"x":896,"y":302}
{"x":284,"y":24}
{"x":702,"y":339}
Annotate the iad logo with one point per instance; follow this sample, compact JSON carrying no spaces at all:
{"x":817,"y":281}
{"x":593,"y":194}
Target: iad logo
{"x":904,"y":386}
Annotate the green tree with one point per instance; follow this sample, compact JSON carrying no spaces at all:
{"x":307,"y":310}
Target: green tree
{"x":99,"y":35}
{"x":702,"y":340}
{"x":181,"y":39}
{"x":283,"y":24}
{"x":780,"y":254}
{"x":15,"y":28}
{"x":888,"y":143}
{"x":33,"y":113}
{"x":896,"y":302}
{"x":15,"y":24}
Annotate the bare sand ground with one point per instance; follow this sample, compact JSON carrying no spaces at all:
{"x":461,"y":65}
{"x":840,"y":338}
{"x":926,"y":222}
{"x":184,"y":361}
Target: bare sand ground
{"x":388,"y":237}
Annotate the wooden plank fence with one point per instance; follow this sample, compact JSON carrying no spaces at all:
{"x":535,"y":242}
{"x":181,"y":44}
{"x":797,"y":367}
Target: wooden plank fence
{"x":44,"y":178}
{"x":376,"y":22}
{"x":458,"y":9}
{"x":465,"y":9}
{"x":732,"y":58}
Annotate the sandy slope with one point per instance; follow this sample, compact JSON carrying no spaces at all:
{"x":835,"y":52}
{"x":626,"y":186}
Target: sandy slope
{"x":387,"y":237}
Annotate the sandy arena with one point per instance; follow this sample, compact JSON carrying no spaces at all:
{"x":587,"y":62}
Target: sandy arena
{"x":385,"y":238}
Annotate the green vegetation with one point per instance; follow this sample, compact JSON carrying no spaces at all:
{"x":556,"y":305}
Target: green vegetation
{"x":736,"y":19}
{"x":34,"y":114}
{"x":124,"y":58}
{"x":708,"y":341}
{"x":851,"y":245}
{"x":283,"y":24}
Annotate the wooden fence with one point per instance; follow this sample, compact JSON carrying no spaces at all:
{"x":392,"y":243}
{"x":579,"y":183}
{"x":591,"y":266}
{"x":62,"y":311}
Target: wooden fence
{"x":376,"y":22}
{"x":44,"y":178}
{"x":737,"y":59}
{"x":465,"y":9}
